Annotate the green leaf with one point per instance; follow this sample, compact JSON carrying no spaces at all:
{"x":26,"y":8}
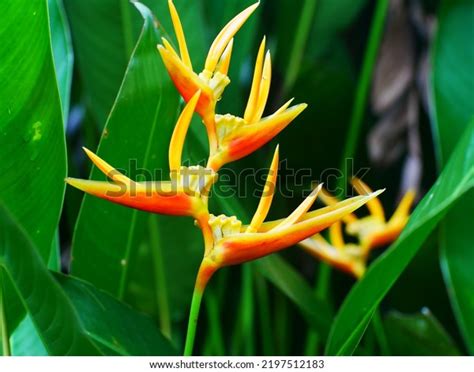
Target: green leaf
{"x":32,"y":160}
{"x":453,"y":92}
{"x":418,"y":334}
{"x":112,"y":325}
{"x":32,"y":157}
{"x":26,"y":341}
{"x":53,"y":315}
{"x":358,"y":307}
{"x":62,"y":52}
{"x":452,"y":78}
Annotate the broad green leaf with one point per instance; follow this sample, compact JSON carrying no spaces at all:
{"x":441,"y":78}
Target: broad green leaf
{"x":453,"y":97}
{"x":105,"y":33}
{"x":32,"y":157}
{"x":53,"y":315}
{"x":418,"y":334}
{"x":356,"y":311}
{"x":112,"y":325}
{"x":62,"y":52}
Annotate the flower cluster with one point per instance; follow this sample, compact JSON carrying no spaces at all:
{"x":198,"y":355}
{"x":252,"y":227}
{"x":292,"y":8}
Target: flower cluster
{"x":227,"y":241}
{"x":372,"y":231}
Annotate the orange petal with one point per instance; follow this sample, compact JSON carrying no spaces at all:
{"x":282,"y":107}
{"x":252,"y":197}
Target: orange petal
{"x":249,"y":138}
{"x":318,"y":247}
{"x":179,"y":133}
{"x":246,"y":247}
{"x":143,"y":196}
{"x":267,"y":195}
{"x":188,"y":83}
{"x":225,"y":35}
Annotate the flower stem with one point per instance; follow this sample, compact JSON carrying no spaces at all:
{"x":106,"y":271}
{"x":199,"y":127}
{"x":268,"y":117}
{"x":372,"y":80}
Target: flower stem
{"x":192,"y":322}
{"x":358,"y":109}
{"x":206,"y":270}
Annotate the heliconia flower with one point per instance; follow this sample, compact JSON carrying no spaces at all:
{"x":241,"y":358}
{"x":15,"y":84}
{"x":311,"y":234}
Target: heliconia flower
{"x":238,"y":137}
{"x":374,"y":230}
{"x":213,"y":79}
{"x":182,"y":195}
{"x":347,"y":257}
{"x":234,"y":243}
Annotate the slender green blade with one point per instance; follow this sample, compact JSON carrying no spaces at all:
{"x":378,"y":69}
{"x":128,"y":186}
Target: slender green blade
{"x":358,"y":307}
{"x":453,"y":96}
{"x":62,"y":52}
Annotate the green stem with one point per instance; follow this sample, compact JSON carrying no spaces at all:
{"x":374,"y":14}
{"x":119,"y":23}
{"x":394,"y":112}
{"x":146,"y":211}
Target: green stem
{"x":322,"y":291}
{"x":296,"y":55}
{"x":216,"y":337}
{"x":379,"y":331}
{"x":363,"y":85}
{"x":3,"y":319}
{"x":160,"y":278}
{"x":192,"y":322}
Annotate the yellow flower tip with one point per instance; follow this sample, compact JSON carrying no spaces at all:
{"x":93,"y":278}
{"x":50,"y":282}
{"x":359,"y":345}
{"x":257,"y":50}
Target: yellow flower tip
{"x":296,"y":215}
{"x":375,"y":206}
{"x":251,"y":108}
{"x":223,"y":38}
{"x":180,"y":131}
{"x":97,"y":188}
{"x":178,"y":29}
{"x":107,"y":169}
{"x":224,"y":63}
{"x":267,"y":195}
